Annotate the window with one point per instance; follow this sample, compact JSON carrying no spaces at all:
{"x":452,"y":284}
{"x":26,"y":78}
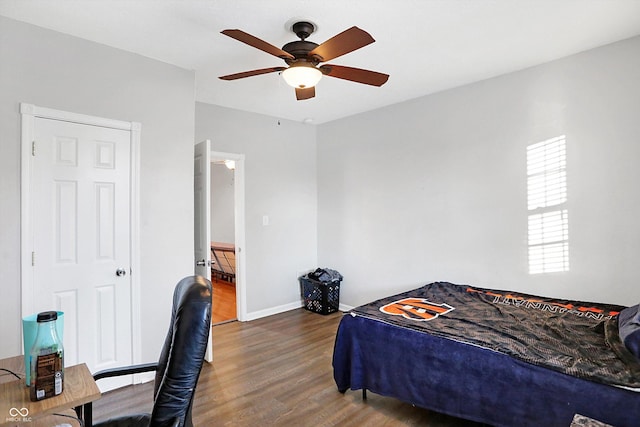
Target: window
{"x":547,"y":198}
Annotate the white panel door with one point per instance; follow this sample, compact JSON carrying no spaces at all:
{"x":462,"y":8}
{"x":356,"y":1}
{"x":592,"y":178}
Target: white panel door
{"x":81,"y":239}
{"x":202,"y":217}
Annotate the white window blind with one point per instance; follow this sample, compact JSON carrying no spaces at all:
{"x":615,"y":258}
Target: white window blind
{"x":548,"y":229}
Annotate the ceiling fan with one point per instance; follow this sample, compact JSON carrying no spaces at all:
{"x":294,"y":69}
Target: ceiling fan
{"x":303,"y":58}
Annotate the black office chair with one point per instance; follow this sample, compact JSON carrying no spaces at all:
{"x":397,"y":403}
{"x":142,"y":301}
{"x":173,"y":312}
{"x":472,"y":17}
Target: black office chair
{"x":180,"y":362}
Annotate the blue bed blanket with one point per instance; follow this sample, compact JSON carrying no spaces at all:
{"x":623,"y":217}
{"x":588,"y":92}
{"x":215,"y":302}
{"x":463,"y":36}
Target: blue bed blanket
{"x":567,"y":336}
{"x":452,"y":349}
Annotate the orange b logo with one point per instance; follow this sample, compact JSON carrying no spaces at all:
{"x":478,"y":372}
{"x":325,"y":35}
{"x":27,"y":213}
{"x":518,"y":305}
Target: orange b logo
{"x":418,"y":309}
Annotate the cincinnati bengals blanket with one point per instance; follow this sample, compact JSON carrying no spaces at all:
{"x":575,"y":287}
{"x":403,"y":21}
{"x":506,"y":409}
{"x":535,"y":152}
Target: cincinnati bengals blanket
{"x":573,"y":337}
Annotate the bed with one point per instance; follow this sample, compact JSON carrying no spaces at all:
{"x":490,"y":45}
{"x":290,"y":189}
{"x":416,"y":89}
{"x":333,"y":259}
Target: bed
{"x":223,"y":266}
{"x":492,"y":356}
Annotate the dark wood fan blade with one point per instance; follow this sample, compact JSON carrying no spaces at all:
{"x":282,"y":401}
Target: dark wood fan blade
{"x":257,"y":43}
{"x":357,"y":75}
{"x":305,"y":93}
{"x":345,"y":42}
{"x":251,"y":73}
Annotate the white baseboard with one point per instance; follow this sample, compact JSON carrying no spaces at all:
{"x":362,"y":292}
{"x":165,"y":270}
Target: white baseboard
{"x":286,"y":307}
{"x":274,"y":310}
{"x":344,"y":307}
{"x":144,"y":377}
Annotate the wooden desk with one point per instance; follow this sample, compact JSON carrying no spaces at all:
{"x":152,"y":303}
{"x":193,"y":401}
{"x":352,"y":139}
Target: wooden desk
{"x":79,"y":388}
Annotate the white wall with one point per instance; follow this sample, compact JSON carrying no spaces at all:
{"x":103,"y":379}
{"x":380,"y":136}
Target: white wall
{"x":53,"y":70}
{"x":280,"y":182}
{"x":222,"y":204}
{"x":435,"y":188}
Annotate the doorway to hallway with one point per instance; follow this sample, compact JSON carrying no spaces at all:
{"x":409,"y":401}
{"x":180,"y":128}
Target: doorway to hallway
{"x":223,"y":247}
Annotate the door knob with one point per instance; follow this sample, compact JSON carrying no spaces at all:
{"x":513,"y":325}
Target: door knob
{"x":121,"y":272}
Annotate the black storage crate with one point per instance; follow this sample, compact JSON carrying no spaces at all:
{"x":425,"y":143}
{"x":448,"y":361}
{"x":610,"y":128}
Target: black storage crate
{"x":320,"y":297}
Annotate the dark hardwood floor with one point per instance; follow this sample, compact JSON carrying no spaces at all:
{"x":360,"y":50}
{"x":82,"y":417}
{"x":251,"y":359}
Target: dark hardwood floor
{"x":276,"y":371}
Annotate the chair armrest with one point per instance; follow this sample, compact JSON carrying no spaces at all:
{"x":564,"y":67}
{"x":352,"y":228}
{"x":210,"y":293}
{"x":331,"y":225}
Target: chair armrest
{"x":126,"y":370}
{"x":86,"y":411}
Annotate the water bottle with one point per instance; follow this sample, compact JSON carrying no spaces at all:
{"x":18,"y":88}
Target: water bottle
{"x":47,"y":359}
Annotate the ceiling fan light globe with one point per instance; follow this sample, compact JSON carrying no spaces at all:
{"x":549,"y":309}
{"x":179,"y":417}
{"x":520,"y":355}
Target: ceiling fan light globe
{"x":302,"y":77}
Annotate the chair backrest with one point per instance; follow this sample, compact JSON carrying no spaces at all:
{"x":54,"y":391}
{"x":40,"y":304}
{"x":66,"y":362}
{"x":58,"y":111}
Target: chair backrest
{"x":183,"y":352}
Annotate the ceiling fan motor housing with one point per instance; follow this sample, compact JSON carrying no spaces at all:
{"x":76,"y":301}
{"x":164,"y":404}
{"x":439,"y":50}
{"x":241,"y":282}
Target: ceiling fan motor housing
{"x":300,"y":50}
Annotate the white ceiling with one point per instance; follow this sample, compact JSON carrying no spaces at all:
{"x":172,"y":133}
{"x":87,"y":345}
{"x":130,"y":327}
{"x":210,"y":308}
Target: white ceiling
{"x":425,"y":45}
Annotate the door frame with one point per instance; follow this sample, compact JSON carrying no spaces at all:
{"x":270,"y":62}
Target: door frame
{"x":29,"y":113}
{"x":239,"y":229}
